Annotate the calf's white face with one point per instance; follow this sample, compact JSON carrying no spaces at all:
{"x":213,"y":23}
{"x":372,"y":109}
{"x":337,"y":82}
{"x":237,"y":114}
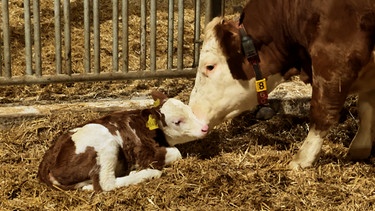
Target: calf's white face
{"x":182,"y":125}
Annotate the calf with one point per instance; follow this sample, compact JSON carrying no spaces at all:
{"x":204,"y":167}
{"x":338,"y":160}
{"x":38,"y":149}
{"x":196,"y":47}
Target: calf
{"x":108,"y":153}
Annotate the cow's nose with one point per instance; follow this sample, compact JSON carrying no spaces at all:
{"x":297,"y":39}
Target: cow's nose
{"x":204,"y":129}
{"x":199,"y":113}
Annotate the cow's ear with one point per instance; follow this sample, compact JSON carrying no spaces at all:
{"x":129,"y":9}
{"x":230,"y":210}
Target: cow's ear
{"x":159,"y":97}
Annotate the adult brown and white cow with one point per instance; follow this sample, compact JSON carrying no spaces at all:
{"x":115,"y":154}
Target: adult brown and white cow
{"x":123,"y":148}
{"x":329,"y":43}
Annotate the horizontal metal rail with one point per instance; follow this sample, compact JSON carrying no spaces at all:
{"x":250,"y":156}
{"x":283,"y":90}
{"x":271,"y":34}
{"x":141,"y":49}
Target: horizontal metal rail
{"x":105,"y":76}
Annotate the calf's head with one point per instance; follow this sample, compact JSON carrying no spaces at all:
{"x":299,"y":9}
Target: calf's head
{"x":179,"y":123}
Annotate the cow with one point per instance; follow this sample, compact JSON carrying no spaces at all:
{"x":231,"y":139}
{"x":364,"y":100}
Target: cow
{"x":328,"y":43}
{"x":122,"y":148}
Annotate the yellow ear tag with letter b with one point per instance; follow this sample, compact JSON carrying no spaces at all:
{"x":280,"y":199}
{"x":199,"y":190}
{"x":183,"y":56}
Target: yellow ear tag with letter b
{"x":151,"y":124}
{"x":156,"y":103}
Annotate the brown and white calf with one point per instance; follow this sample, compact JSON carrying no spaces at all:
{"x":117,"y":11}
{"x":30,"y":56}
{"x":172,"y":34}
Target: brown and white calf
{"x":123,"y":148}
{"x":329,"y":43}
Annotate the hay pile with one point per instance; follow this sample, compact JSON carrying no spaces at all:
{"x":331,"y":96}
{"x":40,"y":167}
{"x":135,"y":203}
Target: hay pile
{"x":241,"y":165}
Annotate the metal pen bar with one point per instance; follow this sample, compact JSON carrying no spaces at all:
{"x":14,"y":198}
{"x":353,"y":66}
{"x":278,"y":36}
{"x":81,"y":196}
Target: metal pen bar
{"x":106,"y":76}
{"x":28,"y":51}
{"x":115,"y":35}
{"x":170,"y":34}
{"x":180,"y":39}
{"x":86,"y":20}
{"x":37,"y":40}
{"x":57,"y":11}
{"x":197,"y":29}
{"x":96,"y":37}
{"x":6,"y":31}
{"x":143,"y":35}
{"x":153,"y":37}
{"x":67,"y":38}
{"x":125,"y":36}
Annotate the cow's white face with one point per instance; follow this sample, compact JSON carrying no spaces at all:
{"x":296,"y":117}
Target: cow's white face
{"x":182,"y":125}
{"x":216,"y":95}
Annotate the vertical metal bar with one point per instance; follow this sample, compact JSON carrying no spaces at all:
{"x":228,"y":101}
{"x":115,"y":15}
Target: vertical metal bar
{"x":96,"y":37}
{"x":7,"y":57}
{"x":125,"y":36}
{"x":115,"y":35}
{"x":170,"y":34}
{"x":143,"y":35}
{"x":67,"y":38}
{"x":57,"y":10}
{"x":87,"y":54}
{"x":153,"y":37}
{"x":28,"y":52}
{"x":214,"y":8}
{"x":180,"y":39}
{"x":37,"y":44}
{"x":197,"y":32}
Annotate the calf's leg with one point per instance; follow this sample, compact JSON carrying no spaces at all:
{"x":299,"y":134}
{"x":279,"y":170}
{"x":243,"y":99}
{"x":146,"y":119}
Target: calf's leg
{"x":360,"y":148}
{"x":136,"y":177}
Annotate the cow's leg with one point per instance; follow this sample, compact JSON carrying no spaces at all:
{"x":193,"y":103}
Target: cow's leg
{"x":332,"y":78}
{"x":360,"y":148}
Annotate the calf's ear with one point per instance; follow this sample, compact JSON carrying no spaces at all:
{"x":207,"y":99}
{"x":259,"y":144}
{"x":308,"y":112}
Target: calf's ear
{"x":159,"y":96}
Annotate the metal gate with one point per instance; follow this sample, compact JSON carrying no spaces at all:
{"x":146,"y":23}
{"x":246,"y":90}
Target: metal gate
{"x":136,"y":31}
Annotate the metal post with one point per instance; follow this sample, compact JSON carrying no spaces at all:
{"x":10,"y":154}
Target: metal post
{"x":170,"y":34}
{"x":153,"y":36}
{"x":197,"y":29}
{"x":86,"y":19}
{"x":115,"y":35}
{"x":96,"y":23}
{"x":58,"y":56}
{"x":214,"y":8}
{"x":67,"y":38}
{"x":28,"y":52}
{"x":125,"y":36}
{"x":143,"y":35}
{"x":37,"y":39}
{"x":180,"y":39}
{"x":6,"y":31}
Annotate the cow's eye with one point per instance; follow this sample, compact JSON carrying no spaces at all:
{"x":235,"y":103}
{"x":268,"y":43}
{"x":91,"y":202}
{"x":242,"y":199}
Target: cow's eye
{"x":210,"y":67}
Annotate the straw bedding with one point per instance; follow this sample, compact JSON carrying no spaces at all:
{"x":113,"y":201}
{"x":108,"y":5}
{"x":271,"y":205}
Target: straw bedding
{"x":241,"y":165}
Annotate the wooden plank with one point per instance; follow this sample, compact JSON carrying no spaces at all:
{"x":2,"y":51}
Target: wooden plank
{"x":7,"y":112}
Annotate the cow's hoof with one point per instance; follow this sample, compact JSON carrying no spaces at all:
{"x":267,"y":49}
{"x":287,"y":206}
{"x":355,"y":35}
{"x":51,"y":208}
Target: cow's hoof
{"x":299,"y":165}
{"x":294,"y":166}
{"x":358,"y":154}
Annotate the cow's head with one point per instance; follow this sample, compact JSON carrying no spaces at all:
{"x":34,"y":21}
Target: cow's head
{"x":225,"y":84}
{"x":179,"y":123}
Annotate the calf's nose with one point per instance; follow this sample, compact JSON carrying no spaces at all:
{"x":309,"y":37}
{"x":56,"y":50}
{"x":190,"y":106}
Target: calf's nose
{"x":204,"y":129}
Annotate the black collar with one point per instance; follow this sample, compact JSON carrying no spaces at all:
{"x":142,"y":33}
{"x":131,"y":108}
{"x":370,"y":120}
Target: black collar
{"x":251,"y":54}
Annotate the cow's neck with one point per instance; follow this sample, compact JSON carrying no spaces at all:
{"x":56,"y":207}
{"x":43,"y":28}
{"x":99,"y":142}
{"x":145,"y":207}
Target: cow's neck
{"x":277,"y":36}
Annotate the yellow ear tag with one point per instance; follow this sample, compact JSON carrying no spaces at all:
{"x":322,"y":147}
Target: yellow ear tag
{"x":157,"y":103}
{"x":151,"y":123}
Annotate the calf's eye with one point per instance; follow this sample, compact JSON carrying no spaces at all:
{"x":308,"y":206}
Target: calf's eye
{"x":177,"y":122}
